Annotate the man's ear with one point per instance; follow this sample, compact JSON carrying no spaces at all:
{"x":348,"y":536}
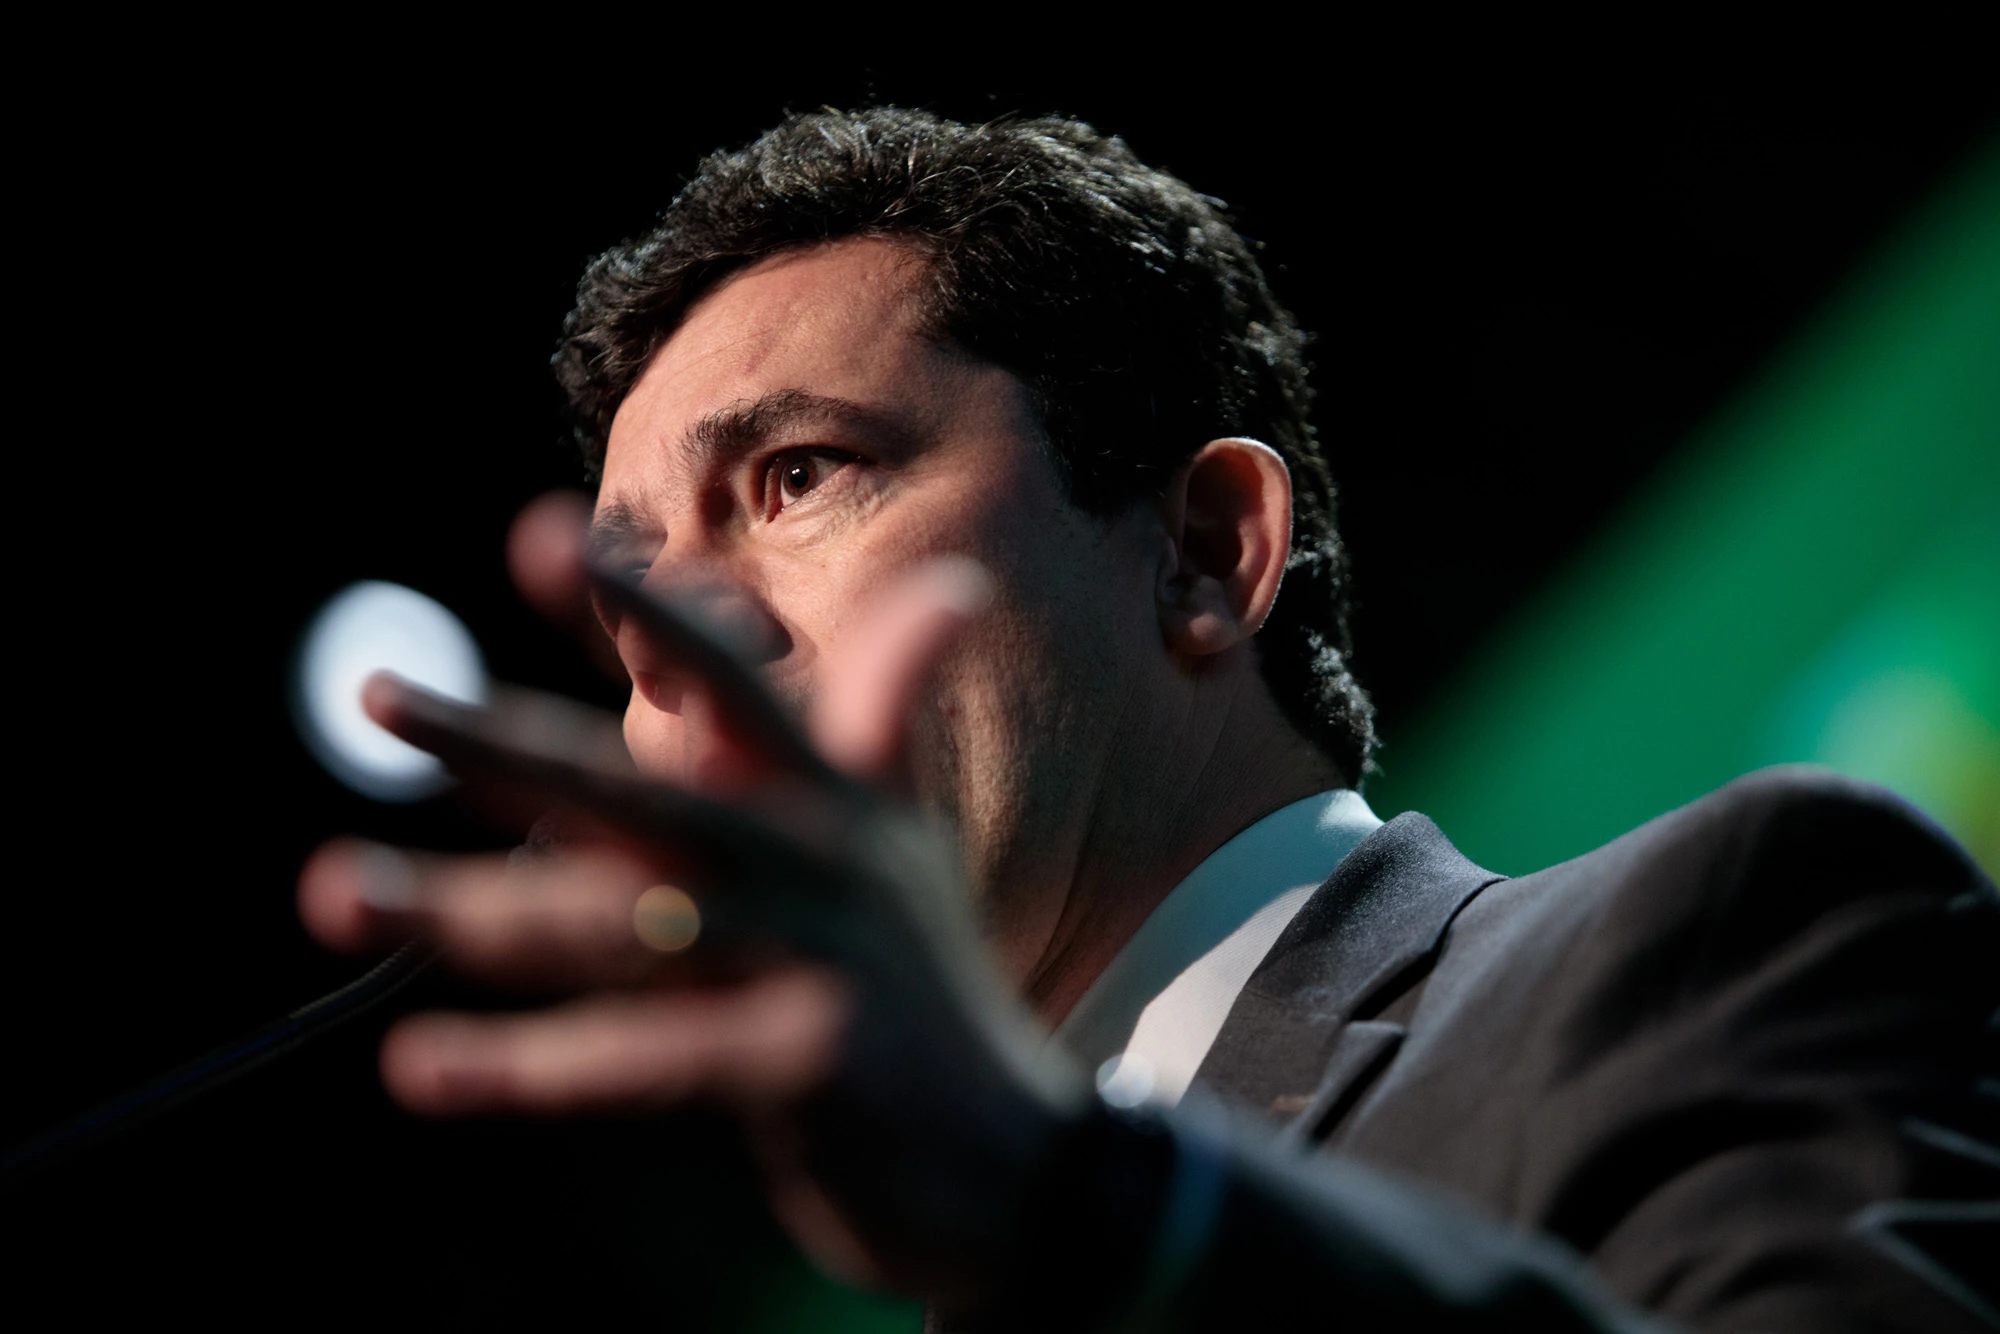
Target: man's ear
{"x":1228,"y":517}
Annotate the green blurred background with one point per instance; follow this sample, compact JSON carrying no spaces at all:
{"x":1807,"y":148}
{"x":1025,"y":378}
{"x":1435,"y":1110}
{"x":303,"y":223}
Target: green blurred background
{"x":1814,"y":578}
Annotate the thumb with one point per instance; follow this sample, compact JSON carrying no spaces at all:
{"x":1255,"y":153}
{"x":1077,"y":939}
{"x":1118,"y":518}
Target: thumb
{"x":545,"y":554}
{"x":860,"y":718}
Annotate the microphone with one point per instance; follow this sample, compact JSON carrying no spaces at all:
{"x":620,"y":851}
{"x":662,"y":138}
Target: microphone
{"x":365,"y":628}
{"x":135,"y":1107}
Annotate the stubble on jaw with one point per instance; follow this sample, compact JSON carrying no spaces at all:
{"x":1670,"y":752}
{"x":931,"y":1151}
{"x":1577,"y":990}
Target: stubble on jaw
{"x":1014,"y":740}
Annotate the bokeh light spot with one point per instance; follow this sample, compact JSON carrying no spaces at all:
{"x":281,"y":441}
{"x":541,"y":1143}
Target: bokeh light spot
{"x":666,"y":919}
{"x":372,"y":627}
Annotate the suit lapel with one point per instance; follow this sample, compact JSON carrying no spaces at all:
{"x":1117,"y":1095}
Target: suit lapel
{"x":1290,"y":1045}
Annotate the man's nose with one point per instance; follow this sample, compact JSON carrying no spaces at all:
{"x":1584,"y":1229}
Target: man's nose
{"x":729,"y":612}
{"x":737,"y":617}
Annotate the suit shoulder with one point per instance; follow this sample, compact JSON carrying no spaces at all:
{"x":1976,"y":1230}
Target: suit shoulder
{"x":1786,"y":792}
{"x":1813,"y":829}
{"x":1727,"y":878}
{"x":1741,"y":874}
{"x":1794,"y":831}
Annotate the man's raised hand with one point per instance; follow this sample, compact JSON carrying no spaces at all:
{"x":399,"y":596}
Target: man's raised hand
{"x":835,"y":994}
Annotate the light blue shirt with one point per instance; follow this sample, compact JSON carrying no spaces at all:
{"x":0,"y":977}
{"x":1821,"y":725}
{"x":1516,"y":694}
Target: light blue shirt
{"x":1160,"y":1003}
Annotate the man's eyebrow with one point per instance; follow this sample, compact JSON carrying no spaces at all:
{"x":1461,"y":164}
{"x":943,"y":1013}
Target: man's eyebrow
{"x":615,"y":528}
{"x":731,"y":431}
{"x":741,"y":427}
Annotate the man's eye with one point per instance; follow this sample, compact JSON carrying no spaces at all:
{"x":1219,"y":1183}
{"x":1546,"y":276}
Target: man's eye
{"x":793,"y":475}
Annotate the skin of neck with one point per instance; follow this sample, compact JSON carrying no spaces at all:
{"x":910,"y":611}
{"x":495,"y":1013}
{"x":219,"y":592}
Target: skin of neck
{"x":1167,"y":797}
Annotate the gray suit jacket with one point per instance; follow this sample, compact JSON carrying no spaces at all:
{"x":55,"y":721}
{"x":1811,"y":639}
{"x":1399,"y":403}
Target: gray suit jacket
{"x":1742,"y":1061}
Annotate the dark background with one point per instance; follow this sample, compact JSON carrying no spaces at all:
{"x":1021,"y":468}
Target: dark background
{"x":280,"y":329}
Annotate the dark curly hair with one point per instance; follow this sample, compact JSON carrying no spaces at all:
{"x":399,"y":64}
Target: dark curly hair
{"x":1138,"y":318}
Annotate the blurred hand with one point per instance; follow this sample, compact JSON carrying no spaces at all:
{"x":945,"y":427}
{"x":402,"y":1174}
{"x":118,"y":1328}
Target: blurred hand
{"x":795,"y":947}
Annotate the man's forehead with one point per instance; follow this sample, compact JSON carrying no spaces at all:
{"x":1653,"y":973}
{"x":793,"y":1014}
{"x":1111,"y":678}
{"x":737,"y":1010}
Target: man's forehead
{"x":825,"y":303}
{"x":838,"y":321}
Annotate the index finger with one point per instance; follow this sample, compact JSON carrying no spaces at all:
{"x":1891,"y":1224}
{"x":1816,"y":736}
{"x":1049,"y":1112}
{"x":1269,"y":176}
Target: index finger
{"x":546,"y":554}
{"x":744,"y":704}
{"x":784,"y":865}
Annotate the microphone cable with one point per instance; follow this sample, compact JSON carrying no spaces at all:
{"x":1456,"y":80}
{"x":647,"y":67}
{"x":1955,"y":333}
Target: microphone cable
{"x":231,"y":1061}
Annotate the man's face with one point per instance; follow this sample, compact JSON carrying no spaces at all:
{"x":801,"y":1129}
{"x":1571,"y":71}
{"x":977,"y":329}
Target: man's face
{"x":799,"y":440}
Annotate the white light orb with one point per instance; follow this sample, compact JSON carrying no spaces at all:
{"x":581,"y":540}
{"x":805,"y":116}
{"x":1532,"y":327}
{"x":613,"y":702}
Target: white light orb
{"x":374,"y":627}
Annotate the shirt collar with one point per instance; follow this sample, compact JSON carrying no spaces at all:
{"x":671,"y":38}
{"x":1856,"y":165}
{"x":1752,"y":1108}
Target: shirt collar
{"x":1183,"y":968}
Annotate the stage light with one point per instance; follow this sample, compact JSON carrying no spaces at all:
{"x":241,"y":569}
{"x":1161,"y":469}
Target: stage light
{"x":373,"y":627}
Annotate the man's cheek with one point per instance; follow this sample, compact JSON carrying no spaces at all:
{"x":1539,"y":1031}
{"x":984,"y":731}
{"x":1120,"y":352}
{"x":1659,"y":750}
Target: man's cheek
{"x":653,"y":739}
